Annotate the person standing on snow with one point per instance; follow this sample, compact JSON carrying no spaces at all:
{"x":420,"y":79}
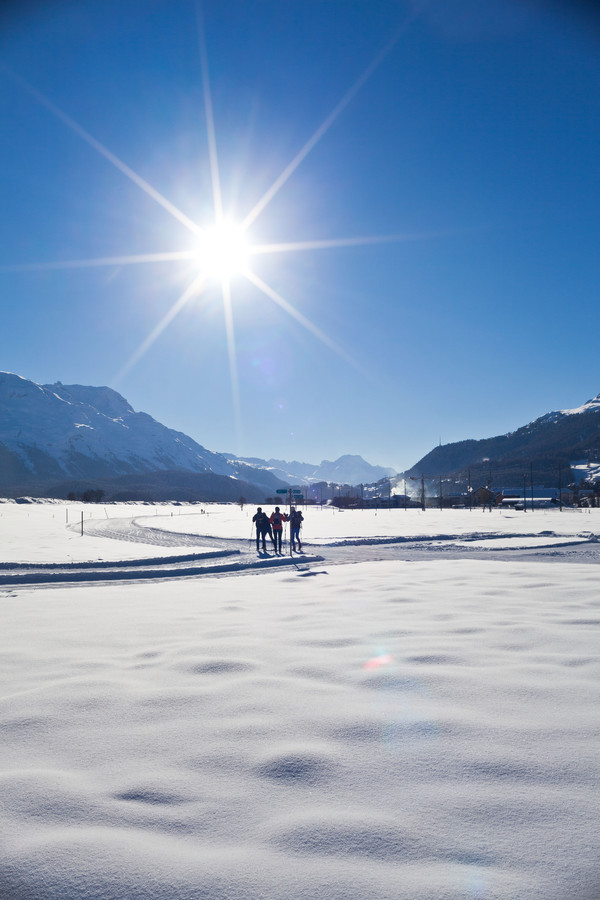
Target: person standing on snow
{"x":277,"y":519}
{"x":261,"y":521}
{"x":296,"y":520}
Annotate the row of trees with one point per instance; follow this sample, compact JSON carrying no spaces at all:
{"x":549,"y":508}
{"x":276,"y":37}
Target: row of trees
{"x":89,"y":496}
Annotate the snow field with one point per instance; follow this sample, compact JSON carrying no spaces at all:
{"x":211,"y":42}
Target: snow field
{"x":403,"y":731}
{"x":48,"y":532}
{"x":322,"y":526}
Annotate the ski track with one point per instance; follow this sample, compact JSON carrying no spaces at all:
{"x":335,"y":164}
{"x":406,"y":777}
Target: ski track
{"x":219,"y":556}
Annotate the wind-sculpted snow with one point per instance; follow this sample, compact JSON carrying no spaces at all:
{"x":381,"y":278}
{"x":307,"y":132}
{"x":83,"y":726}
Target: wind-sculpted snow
{"x":397,"y":729}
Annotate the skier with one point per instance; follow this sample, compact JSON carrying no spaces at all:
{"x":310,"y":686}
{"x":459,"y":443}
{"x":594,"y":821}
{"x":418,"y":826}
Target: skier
{"x":296,"y":520}
{"x":263,"y":527}
{"x":277,"y":519}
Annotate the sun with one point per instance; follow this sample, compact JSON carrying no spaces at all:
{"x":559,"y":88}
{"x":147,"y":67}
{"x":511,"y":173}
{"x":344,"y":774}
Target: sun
{"x":223,"y":251}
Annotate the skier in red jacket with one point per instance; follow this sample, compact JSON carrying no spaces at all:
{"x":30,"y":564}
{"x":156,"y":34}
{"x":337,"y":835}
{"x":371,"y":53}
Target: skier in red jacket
{"x":277,"y":519}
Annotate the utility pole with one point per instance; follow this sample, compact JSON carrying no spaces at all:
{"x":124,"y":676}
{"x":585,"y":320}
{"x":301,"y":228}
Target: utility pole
{"x":560,"y":487}
{"x":531,"y":483}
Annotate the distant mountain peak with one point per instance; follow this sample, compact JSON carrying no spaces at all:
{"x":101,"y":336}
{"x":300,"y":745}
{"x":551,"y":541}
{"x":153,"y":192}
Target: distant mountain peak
{"x":345,"y":458}
{"x":347,"y":469}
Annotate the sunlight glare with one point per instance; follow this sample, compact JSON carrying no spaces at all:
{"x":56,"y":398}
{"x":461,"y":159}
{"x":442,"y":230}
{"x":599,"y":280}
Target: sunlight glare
{"x":291,"y":310}
{"x":223,"y":251}
{"x":194,"y":289}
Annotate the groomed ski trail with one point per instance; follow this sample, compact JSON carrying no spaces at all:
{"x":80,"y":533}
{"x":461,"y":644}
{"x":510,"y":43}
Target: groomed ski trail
{"x":208,"y":555}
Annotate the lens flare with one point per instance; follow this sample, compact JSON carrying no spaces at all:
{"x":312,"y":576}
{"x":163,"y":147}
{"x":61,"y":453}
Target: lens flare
{"x":384,"y":659}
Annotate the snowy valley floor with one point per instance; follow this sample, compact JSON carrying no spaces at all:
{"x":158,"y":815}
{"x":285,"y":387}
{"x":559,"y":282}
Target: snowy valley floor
{"x":420,"y":725}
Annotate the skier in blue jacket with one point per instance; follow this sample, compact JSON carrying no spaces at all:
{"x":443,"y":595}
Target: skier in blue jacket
{"x":296,"y":520}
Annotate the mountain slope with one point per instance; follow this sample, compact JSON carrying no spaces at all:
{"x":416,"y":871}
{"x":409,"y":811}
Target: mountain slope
{"x":57,"y":438}
{"x":56,"y":433}
{"x":559,"y":437}
{"x":87,"y":429}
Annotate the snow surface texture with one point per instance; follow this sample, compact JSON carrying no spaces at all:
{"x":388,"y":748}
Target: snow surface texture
{"x":395,"y":730}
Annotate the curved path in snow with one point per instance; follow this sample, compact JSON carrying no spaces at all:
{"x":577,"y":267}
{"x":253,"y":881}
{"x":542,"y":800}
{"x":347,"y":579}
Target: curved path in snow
{"x":208,"y":555}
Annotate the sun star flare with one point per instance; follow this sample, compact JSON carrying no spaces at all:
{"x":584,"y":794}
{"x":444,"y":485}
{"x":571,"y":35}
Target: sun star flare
{"x":222,"y":251}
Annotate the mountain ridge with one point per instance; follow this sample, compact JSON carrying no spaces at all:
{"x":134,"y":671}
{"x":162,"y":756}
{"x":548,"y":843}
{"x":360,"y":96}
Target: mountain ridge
{"x":546,"y":447}
{"x":347,"y":469}
{"x":54,"y":436}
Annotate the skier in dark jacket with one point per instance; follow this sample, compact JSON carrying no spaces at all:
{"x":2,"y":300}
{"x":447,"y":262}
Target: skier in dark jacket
{"x":261,"y":520}
{"x":296,"y":520}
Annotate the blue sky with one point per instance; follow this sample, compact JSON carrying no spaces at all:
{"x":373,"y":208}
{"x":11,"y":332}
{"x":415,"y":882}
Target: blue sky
{"x":467,"y":132}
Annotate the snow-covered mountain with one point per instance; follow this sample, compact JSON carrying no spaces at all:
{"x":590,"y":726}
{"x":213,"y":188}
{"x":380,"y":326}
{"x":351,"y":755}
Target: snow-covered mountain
{"x":348,"y":469}
{"x":557,"y":439}
{"x":76,"y":428}
{"x":52,"y":433}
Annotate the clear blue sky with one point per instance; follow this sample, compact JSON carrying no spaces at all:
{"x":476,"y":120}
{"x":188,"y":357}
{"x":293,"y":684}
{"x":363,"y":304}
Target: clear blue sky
{"x":473,"y":128}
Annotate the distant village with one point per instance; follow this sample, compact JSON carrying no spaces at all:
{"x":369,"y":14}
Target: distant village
{"x":429,"y":493}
